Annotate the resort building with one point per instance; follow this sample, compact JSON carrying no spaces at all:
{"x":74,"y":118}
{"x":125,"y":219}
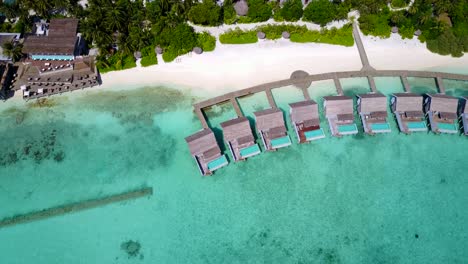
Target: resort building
{"x":239,"y":138}
{"x":441,"y":111}
{"x":372,"y":109}
{"x":206,"y":152}
{"x":270,"y":125}
{"x":306,"y":121}
{"x":463,"y":113}
{"x":408,"y":111}
{"x":340,"y":115}
{"x":53,"y":65}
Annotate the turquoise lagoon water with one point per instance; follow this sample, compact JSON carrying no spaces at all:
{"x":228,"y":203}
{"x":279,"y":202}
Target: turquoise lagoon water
{"x":388,"y":198}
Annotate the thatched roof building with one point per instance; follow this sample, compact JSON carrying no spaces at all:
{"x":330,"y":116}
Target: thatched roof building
{"x":239,"y":137}
{"x":285,"y":35}
{"x":197,"y":50}
{"x":158,"y":50}
{"x":272,"y":129}
{"x":306,"y":121}
{"x":339,"y":111}
{"x":59,"y":43}
{"x":394,"y":30}
{"x":261,"y":35}
{"x":205,"y":151}
{"x":241,"y":7}
{"x":408,"y":110}
{"x":442,"y":113}
{"x":372,"y":109}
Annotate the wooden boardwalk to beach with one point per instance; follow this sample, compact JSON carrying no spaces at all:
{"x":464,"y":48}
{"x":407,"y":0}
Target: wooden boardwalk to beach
{"x":367,"y":71}
{"x":74,"y":207}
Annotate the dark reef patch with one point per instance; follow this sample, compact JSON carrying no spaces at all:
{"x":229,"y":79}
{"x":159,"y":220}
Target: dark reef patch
{"x":132,"y":248}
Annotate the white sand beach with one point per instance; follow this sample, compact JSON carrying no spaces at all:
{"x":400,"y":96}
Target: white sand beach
{"x":231,"y":67}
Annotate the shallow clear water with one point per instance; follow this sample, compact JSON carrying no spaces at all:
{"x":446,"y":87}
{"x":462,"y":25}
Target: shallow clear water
{"x":360,"y":199}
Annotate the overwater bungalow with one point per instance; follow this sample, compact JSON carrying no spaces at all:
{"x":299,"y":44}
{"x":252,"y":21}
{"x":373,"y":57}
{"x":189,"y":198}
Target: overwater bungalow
{"x":306,"y":121}
{"x":340,"y":115}
{"x":441,"y":111}
{"x":408,"y":111}
{"x":372,"y":109}
{"x":463,"y":113}
{"x":239,"y":138}
{"x":270,"y":125}
{"x":206,"y":152}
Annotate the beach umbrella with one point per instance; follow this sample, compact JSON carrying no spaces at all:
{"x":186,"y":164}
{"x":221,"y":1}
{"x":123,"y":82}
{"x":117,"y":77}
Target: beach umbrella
{"x":285,"y":34}
{"x":261,"y":35}
{"x":158,"y":50}
{"x":137,"y":55}
{"x":241,"y":7}
{"x":394,"y":30}
{"x":197,"y":50}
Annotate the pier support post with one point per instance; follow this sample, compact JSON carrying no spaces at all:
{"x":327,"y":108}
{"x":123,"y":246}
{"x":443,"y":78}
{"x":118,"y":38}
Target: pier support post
{"x":201,"y":117}
{"x":306,"y":94}
{"x":406,"y":85}
{"x":372,"y":84}
{"x":339,"y":88}
{"x":236,"y":106}
{"x":440,"y":85}
{"x":271,"y":101}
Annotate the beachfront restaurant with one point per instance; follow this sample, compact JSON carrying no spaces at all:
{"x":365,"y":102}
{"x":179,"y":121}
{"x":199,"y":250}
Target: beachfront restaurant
{"x":372,"y":109}
{"x":272,"y":129}
{"x":441,"y":111}
{"x":239,"y":138}
{"x":306,"y":121}
{"x":340,"y":115}
{"x":408,"y":111}
{"x":206,"y":152}
{"x":463,"y":113}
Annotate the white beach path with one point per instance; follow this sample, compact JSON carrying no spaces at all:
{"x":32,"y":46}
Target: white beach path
{"x":232,"y":67}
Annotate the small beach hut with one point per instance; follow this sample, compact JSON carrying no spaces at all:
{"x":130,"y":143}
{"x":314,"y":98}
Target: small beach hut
{"x":197,"y":50}
{"x":241,"y":8}
{"x":408,"y":111}
{"x":205,"y":151}
{"x":417,"y":33}
{"x":137,"y":55}
{"x":158,"y":50}
{"x":239,"y":138}
{"x":306,"y":121}
{"x":463,"y":113}
{"x":285,"y":35}
{"x":261,"y":35}
{"x":372,"y":109}
{"x":394,"y":30}
{"x":340,"y":115}
{"x":270,"y":125}
{"x":441,"y":111}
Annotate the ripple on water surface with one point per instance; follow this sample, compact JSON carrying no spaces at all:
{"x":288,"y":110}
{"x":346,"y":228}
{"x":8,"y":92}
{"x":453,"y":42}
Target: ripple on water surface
{"x":361,"y":199}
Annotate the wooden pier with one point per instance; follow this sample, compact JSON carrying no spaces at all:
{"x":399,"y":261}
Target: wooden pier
{"x":302,"y":80}
{"x":74,"y":207}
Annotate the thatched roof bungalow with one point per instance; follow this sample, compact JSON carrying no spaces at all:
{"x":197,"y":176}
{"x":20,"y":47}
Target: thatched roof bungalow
{"x":206,"y":152}
{"x":408,"y":111}
{"x":372,"y":109}
{"x":241,"y":7}
{"x":441,"y":111}
{"x":239,"y":138}
{"x":340,"y":115}
{"x":272,"y":129}
{"x":306,"y":121}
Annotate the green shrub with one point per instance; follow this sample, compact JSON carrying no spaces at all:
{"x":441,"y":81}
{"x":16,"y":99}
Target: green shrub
{"x":229,"y":13}
{"x":275,"y":31}
{"x":320,"y":11}
{"x":406,"y":32}
{"x":177,"y":41}
{"x":376,"y":24}
{"x":342,"y":36}
{"x":170,"y":54}
{"x":292,"y":10}
{"x":276,"y":9}
{"x":116,"y":62}
{"x":446,"y":44}
{"x":206,"y":13}
{"x":238,"y":36}
{"x":259,"y":10}
{"x":399,"y":3}
{"x":206,"y":41}
{"x":148,"y":57}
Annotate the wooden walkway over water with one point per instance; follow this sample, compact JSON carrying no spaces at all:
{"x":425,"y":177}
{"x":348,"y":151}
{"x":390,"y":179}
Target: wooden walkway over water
{"x":299,"y":80}
{"x":75,"y":207}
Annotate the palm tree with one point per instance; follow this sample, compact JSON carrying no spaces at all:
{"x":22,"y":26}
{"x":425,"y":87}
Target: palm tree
{"x":12,"y":50}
